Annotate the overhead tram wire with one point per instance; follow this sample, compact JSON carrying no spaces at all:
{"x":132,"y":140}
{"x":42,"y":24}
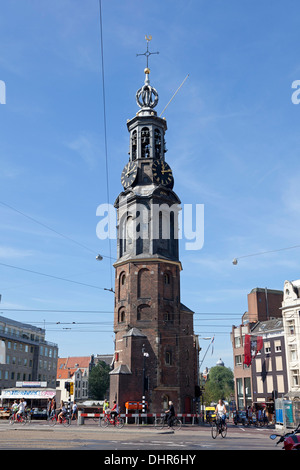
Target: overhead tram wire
{"x":105,"y":133}
{"x":47,"y":227}
{"x":235,"y":260}
{"x":53,"y":277}
{"x":106,"y":311}
{"x":51,"y":229}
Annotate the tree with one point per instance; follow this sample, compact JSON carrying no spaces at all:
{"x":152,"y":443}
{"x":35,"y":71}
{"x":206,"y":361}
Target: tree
{"x":220,"y":384}
{"x":99,"y":380}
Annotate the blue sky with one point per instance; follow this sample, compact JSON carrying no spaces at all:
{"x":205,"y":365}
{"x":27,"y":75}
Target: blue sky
{"x":232,"y":139}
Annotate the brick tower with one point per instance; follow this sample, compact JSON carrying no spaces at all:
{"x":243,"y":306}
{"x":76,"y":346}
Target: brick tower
{"x":155,"y":347}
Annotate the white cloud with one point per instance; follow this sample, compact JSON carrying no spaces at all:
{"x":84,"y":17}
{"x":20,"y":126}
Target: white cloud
{"x":7,"y":252}
{"x":85,"y":146}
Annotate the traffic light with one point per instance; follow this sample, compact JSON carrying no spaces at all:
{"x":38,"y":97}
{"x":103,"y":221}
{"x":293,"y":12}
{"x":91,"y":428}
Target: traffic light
{"x":69,"y":386}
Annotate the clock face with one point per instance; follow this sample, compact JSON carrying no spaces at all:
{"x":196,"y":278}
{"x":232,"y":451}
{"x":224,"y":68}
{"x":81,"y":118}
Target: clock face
{"x":162,"y":173}
{"x":129,"y":174}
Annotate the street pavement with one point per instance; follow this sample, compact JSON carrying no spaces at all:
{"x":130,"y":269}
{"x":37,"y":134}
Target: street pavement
{"x":89,"y":436}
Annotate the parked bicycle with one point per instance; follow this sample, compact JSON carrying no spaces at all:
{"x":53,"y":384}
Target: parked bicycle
{"x":54,"y":419}
{"x":107,"y":420}
{"x":218,"y":427}
{"x":161,"y":422}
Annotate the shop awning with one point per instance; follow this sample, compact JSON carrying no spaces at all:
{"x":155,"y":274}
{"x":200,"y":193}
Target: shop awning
{"x":17,"y":393}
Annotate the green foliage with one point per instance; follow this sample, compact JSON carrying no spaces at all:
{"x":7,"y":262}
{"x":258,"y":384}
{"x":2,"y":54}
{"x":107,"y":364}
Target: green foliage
{"x":99,"y":381}
{"x":220,"y":384}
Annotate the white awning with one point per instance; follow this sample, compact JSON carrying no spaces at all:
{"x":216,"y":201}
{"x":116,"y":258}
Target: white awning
{"x":41,"y":394}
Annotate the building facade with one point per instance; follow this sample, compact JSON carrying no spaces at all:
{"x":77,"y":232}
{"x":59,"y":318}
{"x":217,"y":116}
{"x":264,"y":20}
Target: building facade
{"x":25,"y":355}
{"x":269,"y":374}
{"x":291,"y":321}
{"x":155,"y":347}
{"x":263,"y":305}
{"x":76,"y":370}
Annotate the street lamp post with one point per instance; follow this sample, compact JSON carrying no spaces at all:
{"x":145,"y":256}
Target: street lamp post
{"x":145,"y":354}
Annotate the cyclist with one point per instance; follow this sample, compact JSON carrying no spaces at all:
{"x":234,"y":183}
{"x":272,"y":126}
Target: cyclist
{"x":105,"y":405}
{"x":221,"y":411}
{"x":114,"y":411}
{"x":62,"y":412}
{"x":21,"y":408}
{"x":170,"y":414}
{"x":14,"y":409}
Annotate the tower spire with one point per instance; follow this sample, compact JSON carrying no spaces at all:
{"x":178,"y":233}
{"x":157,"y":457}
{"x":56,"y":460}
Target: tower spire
{"x":147,"y":96}
{"x":148,"y":53}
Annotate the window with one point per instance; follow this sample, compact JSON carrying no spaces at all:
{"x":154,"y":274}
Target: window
{"x":238,"y":360}
{"x":290,"y":327}
{"x":143,"y":313}
{"x":122,"y":286}
{"x":277,"y":345}
{"x":295,"y":377}
{"x":168,"y":317}
{"x":166,"y":400}
{"x":267,"y":346}
{"x":293,"y":352}
{"x":133,"y":145}
{"x":168,"y":358}
{"x":121,"y":315}
{"x":145,"y":142}
{"x":278,"y":363}
{"x":157,"y":143}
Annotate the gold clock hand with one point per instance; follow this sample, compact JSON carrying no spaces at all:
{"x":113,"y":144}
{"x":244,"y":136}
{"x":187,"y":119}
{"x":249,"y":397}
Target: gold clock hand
{"x":129,"y":172}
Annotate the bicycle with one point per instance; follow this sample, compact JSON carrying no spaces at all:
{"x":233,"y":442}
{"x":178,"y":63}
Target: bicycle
{"x":262,"y":422}
{"x":218,"y":427}
{"x":54,"y":419}
{"x":19,"y":418}
{"x":107,"y":420}
{"x":160,"y":423}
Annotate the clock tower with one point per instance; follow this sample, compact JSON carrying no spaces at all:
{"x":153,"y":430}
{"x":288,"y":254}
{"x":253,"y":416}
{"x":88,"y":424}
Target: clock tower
{"x":155,"y":346}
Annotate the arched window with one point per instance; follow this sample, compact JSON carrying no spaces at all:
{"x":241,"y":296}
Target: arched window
{"x":133,"y":145}
{"x":169,"y":317}
{"x":157,"y":144}
{"x":143,"y":312}
{"x":168,"y":357}
{"x":145,"y":142}
{"x":122,"y":286}
{"x":168,"y":286}
{"x":165,"y":402}
{"x":121,"y":315}
{"x":144,"y":283}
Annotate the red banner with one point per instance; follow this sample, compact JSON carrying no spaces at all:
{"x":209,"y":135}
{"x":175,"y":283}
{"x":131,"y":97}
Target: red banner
{"x":253,"y":344}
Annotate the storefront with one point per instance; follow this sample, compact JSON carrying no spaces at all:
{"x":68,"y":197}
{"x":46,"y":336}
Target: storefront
{"x":35,"y":394}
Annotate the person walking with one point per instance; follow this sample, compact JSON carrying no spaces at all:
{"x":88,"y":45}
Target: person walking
{"x":74,"y":410}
